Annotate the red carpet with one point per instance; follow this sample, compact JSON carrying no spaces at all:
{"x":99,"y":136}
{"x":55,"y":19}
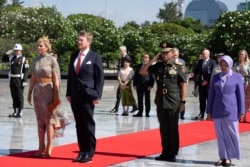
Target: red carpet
{"x":117,"y":149}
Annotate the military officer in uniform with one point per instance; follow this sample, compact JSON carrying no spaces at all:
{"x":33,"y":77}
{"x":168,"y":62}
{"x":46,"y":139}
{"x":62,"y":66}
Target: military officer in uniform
{"x":170,"y":99}
{"x":18,"y":79}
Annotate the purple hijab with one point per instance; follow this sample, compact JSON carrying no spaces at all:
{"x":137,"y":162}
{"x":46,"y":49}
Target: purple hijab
{"x":225,"y":75}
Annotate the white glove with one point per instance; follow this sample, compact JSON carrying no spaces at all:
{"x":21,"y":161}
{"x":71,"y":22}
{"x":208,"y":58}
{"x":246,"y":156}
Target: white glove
{"x":24,"y":84}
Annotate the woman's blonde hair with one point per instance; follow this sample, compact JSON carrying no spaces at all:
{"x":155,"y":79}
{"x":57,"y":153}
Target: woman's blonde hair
{"x":45,"y":40}
{"x":246,"y":55}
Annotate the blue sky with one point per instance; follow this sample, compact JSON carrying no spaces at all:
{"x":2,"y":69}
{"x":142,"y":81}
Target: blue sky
{"x":119,"y":11}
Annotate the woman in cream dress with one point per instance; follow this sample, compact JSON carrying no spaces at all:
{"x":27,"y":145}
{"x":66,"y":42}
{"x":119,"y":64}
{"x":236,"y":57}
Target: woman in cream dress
{"x":44,"y":85}
{"x":125,"y":76}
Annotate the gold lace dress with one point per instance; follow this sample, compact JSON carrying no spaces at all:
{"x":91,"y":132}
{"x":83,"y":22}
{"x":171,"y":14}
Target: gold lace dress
{"x":43,"y":67}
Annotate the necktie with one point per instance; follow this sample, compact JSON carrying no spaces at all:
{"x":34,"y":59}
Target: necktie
{"x":204,"y":64}
{"x":78,"y":65}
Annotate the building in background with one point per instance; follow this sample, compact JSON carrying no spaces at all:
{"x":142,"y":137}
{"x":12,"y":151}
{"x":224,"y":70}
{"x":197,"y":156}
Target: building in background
{"x":243,"y":6}
{"x":207,"y":11}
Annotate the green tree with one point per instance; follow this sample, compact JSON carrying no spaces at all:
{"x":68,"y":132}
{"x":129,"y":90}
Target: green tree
{"x":169,"y":13}
{"x":2,"y":3}
{"x":28,"y":24}
{"x":163,"y":29}
{"x":16,"y":3}
{"x":131,"y":24}
{"x":190,"y":45}
{"x":190,"y":23}
{"x":146,"y":24}
{"x":231,"y":33}
{"x":139,"y":41}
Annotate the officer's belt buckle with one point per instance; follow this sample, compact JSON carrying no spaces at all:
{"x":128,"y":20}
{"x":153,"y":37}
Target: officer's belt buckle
{"x":164,"y":91}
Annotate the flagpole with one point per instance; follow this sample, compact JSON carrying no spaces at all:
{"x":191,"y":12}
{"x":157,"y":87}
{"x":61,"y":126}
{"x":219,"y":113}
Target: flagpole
{"x":246,"y":5}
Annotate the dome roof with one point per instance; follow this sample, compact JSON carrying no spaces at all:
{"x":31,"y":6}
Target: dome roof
{"x":206,"y":4}
{"x":222,"y":6}
{"x":208,"y":11}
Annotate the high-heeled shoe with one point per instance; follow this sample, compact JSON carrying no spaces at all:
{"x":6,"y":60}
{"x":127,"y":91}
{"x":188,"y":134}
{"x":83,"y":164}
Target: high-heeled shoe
{"x":48,"y":153}
{"x":40,"y":152}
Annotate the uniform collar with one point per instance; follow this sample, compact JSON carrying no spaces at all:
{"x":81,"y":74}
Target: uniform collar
{"x":17,"y":56}
{"x":170,"y":63}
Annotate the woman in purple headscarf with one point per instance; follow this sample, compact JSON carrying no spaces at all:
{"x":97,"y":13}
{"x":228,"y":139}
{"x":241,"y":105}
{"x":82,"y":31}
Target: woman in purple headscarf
{"x":226,"y":105}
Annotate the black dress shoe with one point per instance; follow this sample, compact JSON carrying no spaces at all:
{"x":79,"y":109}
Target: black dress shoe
{"x":18,"y":116}
{"x":114,"y":110}
{"x":227,"y":162}
{"x":182,"y":118}
{"x":124,"y":114}
{"x":147,"y":115}
{"x":78,"y":158}
{"x":171,"y":159}
{"x":162,"y":157}
{"x":82,"y":158}
{"x":199,"y":117}
{"x":221,"y":162}
{"x":12,"y":115}
{"x":137,"y":115}
{"x":85,"y":159}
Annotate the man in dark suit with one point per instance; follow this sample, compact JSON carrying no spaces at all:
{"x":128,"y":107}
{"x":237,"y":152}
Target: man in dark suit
{"x":204,"y":71}
{"x":143,"y":85}
{"x":125,"y":56}
{"x":84,"y":91}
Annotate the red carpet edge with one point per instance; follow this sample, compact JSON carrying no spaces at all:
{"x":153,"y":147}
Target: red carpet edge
{"x":117,"y":149}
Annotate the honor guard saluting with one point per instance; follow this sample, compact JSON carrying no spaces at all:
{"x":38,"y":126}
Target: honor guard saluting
{"x":170,"y":99}
{"x":18,"y":79}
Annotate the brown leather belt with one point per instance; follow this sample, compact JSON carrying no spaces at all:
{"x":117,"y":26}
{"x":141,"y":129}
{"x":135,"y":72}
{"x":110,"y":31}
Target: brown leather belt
{"x":43,"y":80}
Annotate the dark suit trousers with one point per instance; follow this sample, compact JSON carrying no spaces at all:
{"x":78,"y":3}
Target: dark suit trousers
{"x":203,"y":95}
{"x":16,"y":90}
{"x":169,"y":131}
{"x":142,"y":90}
{"x":118,"y":98}
{"x":85,"y":125}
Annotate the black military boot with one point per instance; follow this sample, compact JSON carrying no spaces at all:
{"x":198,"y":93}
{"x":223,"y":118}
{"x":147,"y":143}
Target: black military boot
{"x":19,"y":113}
{"x":182,"y":113}
{"x":14,"y":113}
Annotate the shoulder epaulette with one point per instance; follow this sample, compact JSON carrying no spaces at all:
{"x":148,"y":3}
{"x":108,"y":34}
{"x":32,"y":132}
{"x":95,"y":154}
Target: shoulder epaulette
{"x":179,"y":63}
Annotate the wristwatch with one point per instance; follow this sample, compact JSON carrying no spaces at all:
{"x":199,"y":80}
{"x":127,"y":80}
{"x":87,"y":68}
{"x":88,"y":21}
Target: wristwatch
{"x":183,"y":101}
